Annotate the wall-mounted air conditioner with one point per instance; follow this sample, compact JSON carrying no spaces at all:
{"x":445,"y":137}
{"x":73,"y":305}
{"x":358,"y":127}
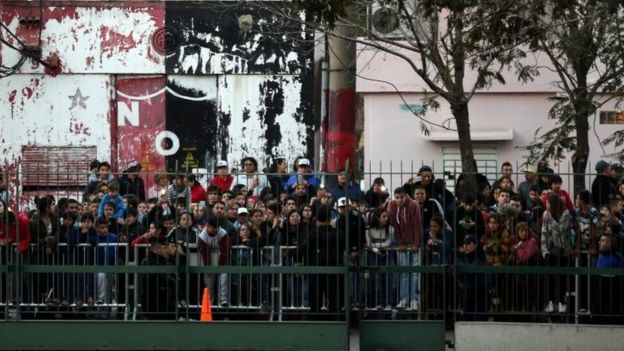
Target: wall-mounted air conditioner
{"x":387,"y":20}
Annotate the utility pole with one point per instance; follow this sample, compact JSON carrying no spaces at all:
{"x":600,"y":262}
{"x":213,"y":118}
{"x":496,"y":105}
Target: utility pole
{"x":339,"y":122}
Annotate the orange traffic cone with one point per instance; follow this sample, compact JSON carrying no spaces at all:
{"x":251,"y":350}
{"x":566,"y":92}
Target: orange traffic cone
{"x":206,"y":308}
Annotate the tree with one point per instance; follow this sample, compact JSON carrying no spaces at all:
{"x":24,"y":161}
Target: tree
{"x":583,"y":41}
{"x":443,"y":39}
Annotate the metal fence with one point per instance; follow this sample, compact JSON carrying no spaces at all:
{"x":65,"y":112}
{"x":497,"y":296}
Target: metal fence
{"x":291,"y":268}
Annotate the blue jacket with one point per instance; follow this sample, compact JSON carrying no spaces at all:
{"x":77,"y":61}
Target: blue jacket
{"x":104,"y":255}
{"x":610,"y":260}
{"x":120,"y":206}
{"x":313,"y":181}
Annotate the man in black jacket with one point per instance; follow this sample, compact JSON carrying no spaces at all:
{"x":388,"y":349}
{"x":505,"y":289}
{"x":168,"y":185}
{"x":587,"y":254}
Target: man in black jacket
{"x":158,"y":291}
{"x":131,"y":182}
{"x":325,"y":247}
{"x":602,"y":187}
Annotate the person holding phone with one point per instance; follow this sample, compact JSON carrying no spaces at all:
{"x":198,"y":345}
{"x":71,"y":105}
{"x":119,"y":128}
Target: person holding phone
{"x":377,"y":195}
{"x":303,"y":175}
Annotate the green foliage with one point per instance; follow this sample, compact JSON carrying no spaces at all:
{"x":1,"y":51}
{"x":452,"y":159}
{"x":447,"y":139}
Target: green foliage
{"x":583,"y":40}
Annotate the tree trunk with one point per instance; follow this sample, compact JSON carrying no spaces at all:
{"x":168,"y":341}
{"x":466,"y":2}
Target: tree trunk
{"x":469,"y":165}
{"x":583,"y":108}
{"x":581,"y":154}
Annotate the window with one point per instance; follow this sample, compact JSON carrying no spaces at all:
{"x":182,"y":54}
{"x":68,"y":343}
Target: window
{"x":487,"y":164}
{"x":611,"y":117}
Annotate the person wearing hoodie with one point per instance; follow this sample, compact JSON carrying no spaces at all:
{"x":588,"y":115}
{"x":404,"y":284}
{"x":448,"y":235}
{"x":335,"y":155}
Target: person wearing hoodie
{"x":214,"y":247}
{"x":405,"y":217}
{"x":347,"y":187}
{"x":435,"y":188}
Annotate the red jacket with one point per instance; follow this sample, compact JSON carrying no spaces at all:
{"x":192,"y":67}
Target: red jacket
{"x":526,"y":250}
{"x":24,"y":232}
{"x":198,"y":193}
{"x":407,"y":222}
{"x":223,"y":184}
{"x":564,"y":196}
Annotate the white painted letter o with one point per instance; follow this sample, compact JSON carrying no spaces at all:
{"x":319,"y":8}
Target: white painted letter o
{"x":174,"y":141}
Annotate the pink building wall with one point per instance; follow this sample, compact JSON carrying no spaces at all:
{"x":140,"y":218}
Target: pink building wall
{"x":392,"y":133}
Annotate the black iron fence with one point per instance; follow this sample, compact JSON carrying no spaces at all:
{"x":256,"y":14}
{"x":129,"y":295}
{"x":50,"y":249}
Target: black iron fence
{"x":301,"y":252}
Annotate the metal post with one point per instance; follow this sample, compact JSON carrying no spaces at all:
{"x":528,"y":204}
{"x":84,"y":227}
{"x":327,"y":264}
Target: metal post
{"x":18,"y":263}
{"x":347,"y":258}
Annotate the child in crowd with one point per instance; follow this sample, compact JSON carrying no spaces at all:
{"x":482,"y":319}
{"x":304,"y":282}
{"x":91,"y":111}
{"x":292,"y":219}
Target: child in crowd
{"x":105,"y":255}
{"x":119,"y":206}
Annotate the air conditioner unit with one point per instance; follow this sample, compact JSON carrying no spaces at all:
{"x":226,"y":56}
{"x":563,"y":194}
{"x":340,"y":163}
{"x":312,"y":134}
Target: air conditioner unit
{"x":387,"y":20}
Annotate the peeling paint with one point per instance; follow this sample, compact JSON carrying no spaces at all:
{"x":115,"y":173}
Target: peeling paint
{"x":113,"y":42}
{"x":79,"y":128}
{"x":42,"y":116}
{"x":12,"y":97}
{"x":263,"y":108}
{"x":257,"y":86}
{"x":27,"y":92}
{"x":235,"y":39}
{"x":119,"y":36}
{"x":137,"y":141}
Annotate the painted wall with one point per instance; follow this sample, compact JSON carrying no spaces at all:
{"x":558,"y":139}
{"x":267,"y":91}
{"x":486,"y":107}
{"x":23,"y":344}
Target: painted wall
{"x":55,"y":111}
{"x":212,"y":79}
{"x":392,"y":134}
{"x":386,"y":67}
{"x":95,"y":38}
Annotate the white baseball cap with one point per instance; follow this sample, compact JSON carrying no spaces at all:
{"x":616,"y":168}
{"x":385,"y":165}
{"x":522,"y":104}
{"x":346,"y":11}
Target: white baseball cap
{"x":343,"y":201}
{"x":242,"y":210}
{"x":222,"y":163}
{"x":303,"y":161}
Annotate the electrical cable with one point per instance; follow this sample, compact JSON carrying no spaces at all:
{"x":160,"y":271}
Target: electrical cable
{"x":6,"y":71}
{"x":396,"y":89}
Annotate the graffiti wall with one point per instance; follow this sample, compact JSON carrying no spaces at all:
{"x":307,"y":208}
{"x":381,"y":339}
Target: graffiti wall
{"x":172,"y":85}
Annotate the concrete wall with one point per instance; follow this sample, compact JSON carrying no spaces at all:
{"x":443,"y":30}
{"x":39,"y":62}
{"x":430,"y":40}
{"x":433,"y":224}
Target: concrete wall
{"x":392,"y":133}
{"x":551,"y":337}
{"x":379,"y":65}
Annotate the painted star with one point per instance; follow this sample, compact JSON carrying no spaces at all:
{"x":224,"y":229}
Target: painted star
{"x":78,"y":100}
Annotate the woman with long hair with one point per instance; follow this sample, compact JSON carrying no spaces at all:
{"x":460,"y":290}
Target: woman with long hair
{"x":45,"y":231}
{"x":556,"y":250}
{"x":496,"y":243}
{"x":438,"y":248}
{"x":523,"y":253}
{"x":244,"y":285}
{"x":379,"y":238}
{"x":278,"y":175}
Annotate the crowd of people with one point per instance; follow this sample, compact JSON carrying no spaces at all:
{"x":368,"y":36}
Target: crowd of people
{"x":288,"y":217}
